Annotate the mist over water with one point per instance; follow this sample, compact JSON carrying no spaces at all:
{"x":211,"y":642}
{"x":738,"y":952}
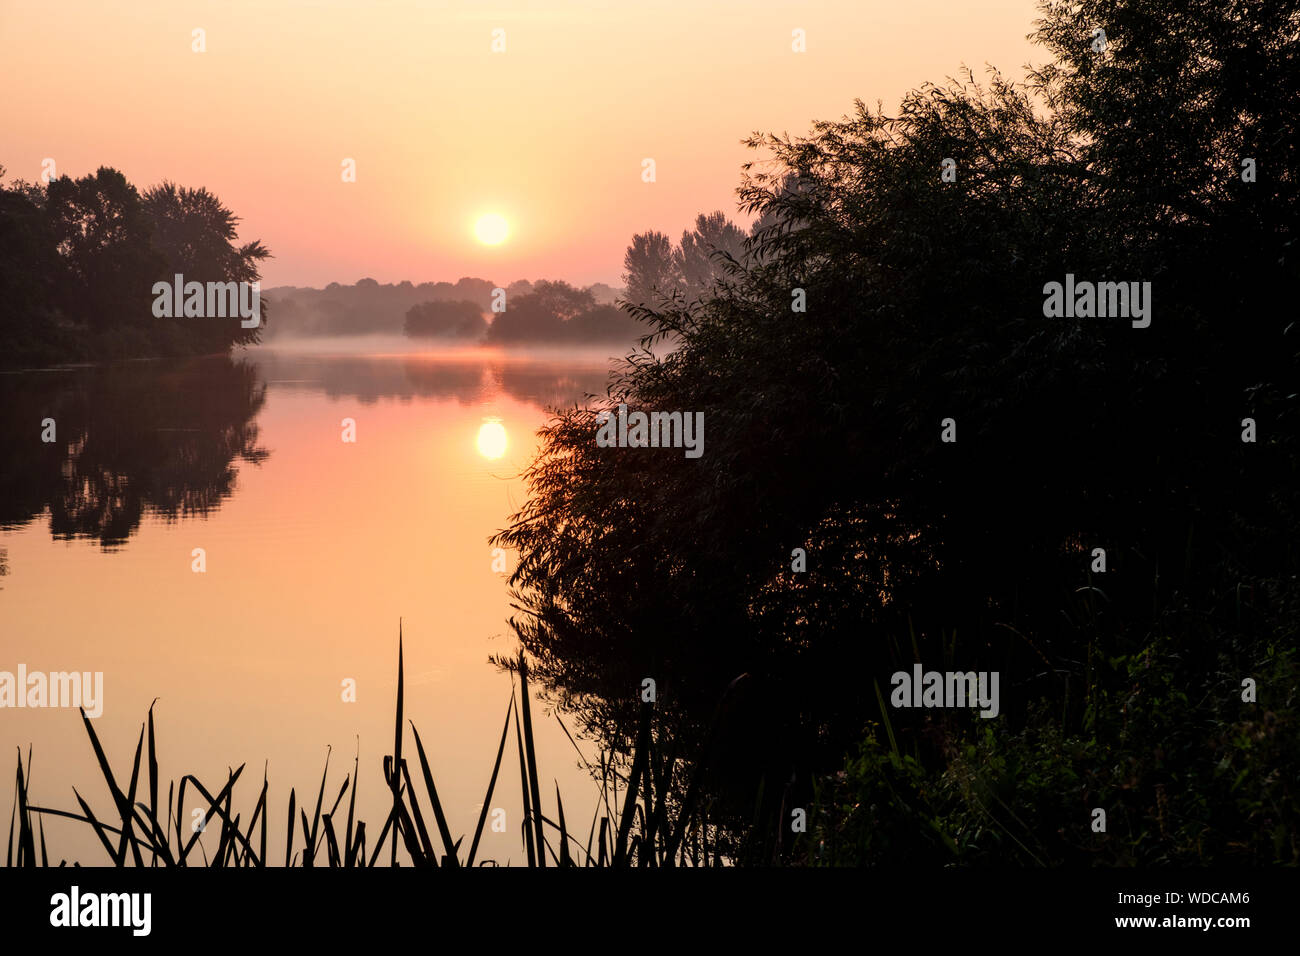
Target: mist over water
{"x":381,"y":344}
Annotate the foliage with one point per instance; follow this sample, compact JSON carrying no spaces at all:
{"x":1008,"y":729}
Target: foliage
{"x":650,"y":827}
{"x":556,"y":312}
{"x":924,"y":303}
{"x":1186,"y":772}
{"x":82,"y":257}
{"x":656,"y":270}
{"x":456,"y":320}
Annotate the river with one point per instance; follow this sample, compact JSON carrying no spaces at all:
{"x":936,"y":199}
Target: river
{"x":204,"y":533}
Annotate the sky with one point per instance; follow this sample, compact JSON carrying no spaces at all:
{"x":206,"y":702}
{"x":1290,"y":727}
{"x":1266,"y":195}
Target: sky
{"x":549,"y":134}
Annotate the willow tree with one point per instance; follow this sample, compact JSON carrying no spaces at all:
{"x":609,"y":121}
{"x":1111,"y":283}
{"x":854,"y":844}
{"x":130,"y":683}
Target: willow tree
{"x":882,"y":390}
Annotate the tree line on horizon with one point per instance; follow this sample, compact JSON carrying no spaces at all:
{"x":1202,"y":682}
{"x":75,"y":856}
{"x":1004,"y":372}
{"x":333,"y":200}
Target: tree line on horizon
{"x":536,"y":313}
{"x":556,"y":312}
{"x":428,"y":309}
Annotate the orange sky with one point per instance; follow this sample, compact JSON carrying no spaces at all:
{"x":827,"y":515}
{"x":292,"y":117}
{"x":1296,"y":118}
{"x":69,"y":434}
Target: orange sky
{"x":550,"y":134}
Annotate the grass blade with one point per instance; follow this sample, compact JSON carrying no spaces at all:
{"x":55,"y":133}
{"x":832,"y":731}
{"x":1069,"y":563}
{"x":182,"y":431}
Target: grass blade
{"x":532,"y":758}
{"x":288,"y":843}
{"x":393,"y":782}
{"x":523,"y":776}
{"x":443,"y":830}
{"x":153,"y":775}
{"x":349,"y":848}
{"x":633,"y":785}
{"x":26,"y":847}
{"x":565,"y":859}
{"x":98,"y":827}
{"x":430,"y":856}
{"x":315,"y":819}
{"x":487,"y":800}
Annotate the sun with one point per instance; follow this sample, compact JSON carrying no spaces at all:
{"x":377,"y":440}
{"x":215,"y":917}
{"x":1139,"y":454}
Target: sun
{"x":491,"y":441}
{"x":491,"y":229}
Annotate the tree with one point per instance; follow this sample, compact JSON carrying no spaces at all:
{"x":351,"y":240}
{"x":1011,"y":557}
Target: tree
{"x":81,"y":258}
{"x":474,"y":290}
{"x":703,"y":255}
{"x":517,"y":288}
{"x":924,"y":302}
{"x":540,"y":315}
{"x":197,"y":235}
{"x":454,"y":320}
{"x":604,"y":324}
{"x":29,"y":268}
{"x":561,"y":299}
{"x":103,"y":236}
{"x":650,"y":271}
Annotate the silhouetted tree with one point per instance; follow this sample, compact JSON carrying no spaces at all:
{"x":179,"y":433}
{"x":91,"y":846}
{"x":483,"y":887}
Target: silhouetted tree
{"x":702,"y":255}
{"x":923,"y":301}
{"x":540,"y":315}
{"x":517,"y":288}
{"x":29,"y":272}
{"x":604,"y":294}
{"x":561,"y":299}
{"x":650,"y":271}
{"x":367,"y":307}
{"x":81,"y":258}
{"x":104,"y":239}
{"x":603,"y":324}
{"x":196,"y":235}
{"x":454,"y":320}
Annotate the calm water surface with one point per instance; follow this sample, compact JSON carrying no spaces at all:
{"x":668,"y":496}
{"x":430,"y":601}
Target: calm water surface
{"x":314,"y":548}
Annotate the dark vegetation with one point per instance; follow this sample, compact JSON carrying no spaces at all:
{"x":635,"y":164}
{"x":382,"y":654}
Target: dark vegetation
{"x":656,"y":270}
{"x":557,"y":312}
{"x":457,"y":319}
{"x":640,"y":821}
{"x":1121,"y":690}
{"x":79,"y":259}
{"x":368,"y":307}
